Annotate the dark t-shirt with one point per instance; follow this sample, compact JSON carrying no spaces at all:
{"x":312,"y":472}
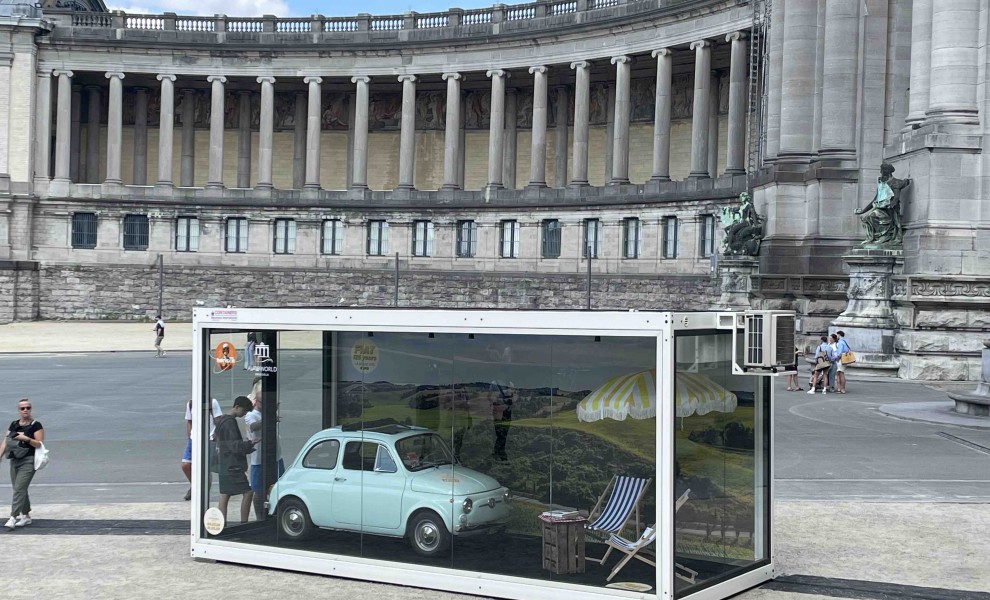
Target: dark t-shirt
{"x":160,"y":328}
{"x":28,"y":430}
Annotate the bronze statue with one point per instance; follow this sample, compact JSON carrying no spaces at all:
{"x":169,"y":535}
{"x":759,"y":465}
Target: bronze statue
{"x":882,"y":216}
{"x":743,"y":229}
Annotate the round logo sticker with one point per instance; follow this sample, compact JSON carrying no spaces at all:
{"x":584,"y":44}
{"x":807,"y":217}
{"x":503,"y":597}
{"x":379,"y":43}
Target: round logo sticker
{"x":213,"y":521}
{"x":364,"y":356}
{"x":225,"y":355}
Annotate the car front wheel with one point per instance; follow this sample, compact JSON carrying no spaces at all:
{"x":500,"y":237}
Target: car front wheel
{"x":294,"y":521}
{"x":427,"y":534}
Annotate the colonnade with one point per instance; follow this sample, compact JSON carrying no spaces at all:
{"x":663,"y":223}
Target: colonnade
{"x":501,"y":143}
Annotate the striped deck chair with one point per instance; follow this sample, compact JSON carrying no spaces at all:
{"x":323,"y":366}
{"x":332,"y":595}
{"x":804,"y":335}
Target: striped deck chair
{"x":624,"y":496}
{"x":632,"y":549}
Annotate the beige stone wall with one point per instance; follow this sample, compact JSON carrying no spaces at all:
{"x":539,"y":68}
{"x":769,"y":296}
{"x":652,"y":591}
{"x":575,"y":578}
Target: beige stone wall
{"x":383,"y":156}
{"x":23,"y":80}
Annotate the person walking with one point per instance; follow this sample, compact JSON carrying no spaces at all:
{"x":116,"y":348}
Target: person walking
{"x":841,"y":349}
{"x":233,"y":450}
{"x":824,"y":356}
{"x":23,"y":436}
{"x":159,"y":336}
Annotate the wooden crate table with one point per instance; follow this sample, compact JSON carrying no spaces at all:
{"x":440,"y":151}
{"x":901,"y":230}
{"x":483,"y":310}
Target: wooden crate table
{"x":563,"y":543}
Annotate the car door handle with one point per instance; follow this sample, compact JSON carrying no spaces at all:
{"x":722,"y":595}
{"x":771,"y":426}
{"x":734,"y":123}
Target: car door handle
{"x":340,"y":479}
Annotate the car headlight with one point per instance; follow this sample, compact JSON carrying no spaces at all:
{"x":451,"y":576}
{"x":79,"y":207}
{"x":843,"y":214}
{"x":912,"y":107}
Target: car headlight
{"x":467,"y":505}
{"x":505,"y":496}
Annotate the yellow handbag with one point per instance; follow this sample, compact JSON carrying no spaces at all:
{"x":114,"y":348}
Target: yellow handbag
{"x":848,"y":358}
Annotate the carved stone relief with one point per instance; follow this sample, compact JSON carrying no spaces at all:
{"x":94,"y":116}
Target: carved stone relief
{"x":385,"y":111}
{"x":431,"y":110}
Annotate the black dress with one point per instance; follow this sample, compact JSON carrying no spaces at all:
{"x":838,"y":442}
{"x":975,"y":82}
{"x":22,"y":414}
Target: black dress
{"x":233,"y":451}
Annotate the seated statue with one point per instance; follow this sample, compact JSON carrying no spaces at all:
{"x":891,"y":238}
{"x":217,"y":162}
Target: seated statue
{"x":882,"y":216}
{"x":743,"y":229}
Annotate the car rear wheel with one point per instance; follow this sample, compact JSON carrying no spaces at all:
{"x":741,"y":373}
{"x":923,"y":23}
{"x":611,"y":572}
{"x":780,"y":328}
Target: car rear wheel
{"x":294,"y":521}
{"x":427,"y":534}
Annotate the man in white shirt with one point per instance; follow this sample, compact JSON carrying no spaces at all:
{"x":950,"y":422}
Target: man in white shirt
{"x":215,"y":413}
{"x":252,"y":422}
{"x":159,"y":336}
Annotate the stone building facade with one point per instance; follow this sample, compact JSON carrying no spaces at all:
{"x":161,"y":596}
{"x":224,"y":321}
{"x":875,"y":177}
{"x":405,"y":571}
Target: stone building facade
{"x":476,"y":158}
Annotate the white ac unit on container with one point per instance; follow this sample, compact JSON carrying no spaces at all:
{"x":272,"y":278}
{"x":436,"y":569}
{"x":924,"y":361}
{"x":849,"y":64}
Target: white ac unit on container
{"x":768,"y":340}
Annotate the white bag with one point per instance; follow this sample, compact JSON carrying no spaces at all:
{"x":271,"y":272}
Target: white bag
{"x":40,"y":457}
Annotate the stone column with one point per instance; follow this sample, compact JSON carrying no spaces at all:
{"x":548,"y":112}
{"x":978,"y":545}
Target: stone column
{"x":299,"y":140}
{"x":115,"y":127}
{"x":496,"y":128}
{"x":921,"y":62}
{"x":6,"y":61}
{"x":798,"y":82}
{"x":351,"y":107}
{"x":955,"y":58}
{"x":314,"y":117}
{"x":560,"y":143}
{"x":360,"y":179}
{"x":735,"y":155}
{"x":713,"y":105}
{"x":609,"y":131}
{"x":266,"y":132}
{"x":63,"y":127}
{"x":43,"y":125}
{"x":76,"y":136}
{"x":839,"y":80}
{"x":702,"y":106}
{"x":166,"y":124}
{"x":538,"y":156}
{"x":451,"y":136}
{"x":407,"y":134}
{"x":620,"y":145}
{"x":139,"y":173}
{"x":661,"y":115}
{"x":582,"y":107}
{"x":462,"y":143}
{"x":215,"y":179}
{"x":244,"y":139}
{"x":187,"y":161}
{"x":775,"y":65}
{"x":93,"y":134}
{"x":509,"y":147}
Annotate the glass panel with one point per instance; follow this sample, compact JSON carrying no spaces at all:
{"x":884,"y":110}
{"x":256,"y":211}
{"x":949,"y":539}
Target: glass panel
{"x":721,"y":464}
{"x":483,"y":453}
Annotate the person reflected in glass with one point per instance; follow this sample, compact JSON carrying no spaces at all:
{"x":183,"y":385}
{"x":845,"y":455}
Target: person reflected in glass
{"x":252,"y":421}
{"x":233,"y":451}
{"x":501,"y":417}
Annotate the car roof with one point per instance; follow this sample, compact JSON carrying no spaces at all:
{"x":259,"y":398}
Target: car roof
{"x":372,"y":431}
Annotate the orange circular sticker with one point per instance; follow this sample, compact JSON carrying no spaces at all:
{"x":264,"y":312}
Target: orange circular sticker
{"x":225,"y":356}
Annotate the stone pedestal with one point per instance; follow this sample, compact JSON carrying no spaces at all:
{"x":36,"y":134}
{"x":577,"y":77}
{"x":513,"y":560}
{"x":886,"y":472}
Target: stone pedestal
{"x":736,"y":273}
{"x":868,"y":320}
{"x":977,"y":403}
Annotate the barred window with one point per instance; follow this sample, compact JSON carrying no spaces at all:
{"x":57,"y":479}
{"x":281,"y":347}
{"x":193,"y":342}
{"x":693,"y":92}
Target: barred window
{"x":551,"y":238}
{"x":632,"y":241}
{"x":186,"y":234}
{"x":136,"y":232}
{"x":467,"y":238}
{"x":236,"y":238}
{"x":285,"y":236}
{"x":377,"y":238}
{"x":707,"y":235}
{"x":84,"y":230}
{"x":592,"y":237}
{"x":332,"y":234}
{"x":669,"y":241}
{"x":422,"y":238}
{"x":509,"y":239}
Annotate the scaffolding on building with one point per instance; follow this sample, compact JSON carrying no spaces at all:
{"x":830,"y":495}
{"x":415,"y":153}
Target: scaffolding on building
{"x":758,"y":92}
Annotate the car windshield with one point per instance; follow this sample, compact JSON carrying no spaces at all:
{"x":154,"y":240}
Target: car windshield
{"x":420,"y":452}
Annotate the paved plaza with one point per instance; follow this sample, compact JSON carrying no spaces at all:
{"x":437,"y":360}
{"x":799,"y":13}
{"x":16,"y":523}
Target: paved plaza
{"x":867,"y":505}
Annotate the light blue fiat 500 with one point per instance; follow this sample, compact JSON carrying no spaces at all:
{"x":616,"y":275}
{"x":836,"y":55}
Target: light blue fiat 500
{"x":393,"y":480}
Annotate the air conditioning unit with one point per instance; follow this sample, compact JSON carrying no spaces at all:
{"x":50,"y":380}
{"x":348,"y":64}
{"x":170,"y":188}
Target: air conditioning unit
{"x":768,"y":338}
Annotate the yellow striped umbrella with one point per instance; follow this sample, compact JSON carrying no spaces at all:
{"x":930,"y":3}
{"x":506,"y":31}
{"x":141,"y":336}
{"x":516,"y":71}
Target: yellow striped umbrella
{"x":634,"y":395}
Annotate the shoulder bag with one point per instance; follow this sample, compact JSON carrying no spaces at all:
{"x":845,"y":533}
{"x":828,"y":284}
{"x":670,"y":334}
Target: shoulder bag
{"x":848,"y":358}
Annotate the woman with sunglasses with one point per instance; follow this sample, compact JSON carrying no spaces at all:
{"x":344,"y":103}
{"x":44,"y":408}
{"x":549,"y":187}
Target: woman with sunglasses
{"x":23,"y":436}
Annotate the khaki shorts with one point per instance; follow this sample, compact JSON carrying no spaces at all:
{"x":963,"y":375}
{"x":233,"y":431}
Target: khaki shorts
{"x":842,"y":368}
